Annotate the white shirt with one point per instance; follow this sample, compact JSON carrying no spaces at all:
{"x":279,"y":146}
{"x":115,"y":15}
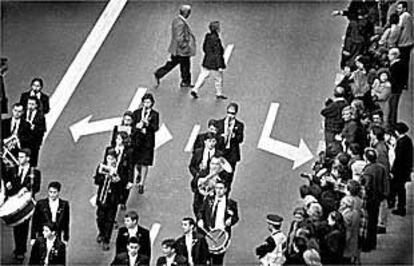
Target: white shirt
{"x":220,"y":204}
{"x":228,"y":130}
{"x":170,"y":260}
{"x":15,"y":123}
{"x":23,"y":170}
{"x":189,"y":245}
{"x":54,"y":205}
{"x":49,"y":245}
{"x":132,"y":259}
{"x":37,"y":94}
{"x":133,"y":231}
{"x":30,"y":119}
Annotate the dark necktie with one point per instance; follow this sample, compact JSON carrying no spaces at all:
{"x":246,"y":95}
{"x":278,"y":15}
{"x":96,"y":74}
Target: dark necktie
{"x":30,"y":115}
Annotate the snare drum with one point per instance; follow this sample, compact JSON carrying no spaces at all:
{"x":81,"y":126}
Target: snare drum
{"x":17,"y":209}
{"x":218,"y":241}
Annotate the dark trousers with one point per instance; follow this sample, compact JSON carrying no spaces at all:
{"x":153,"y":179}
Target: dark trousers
{"x":105,"y":220}
{"x":217,"y":259}
{"x":20,"y":233}
{"x":398,"y":190}
{"x":184,"y":62}
{"x":34,"y":157}
{"x":197,"y":202}
{"x":393,"y":104}
{"x":373,"y":211}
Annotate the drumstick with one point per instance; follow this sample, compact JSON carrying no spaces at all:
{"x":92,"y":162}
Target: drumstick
{"x":209,"y":235}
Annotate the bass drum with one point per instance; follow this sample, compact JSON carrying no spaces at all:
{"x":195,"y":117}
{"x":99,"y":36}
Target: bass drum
{"x":218,"y":241}
{"x":18,"y":208}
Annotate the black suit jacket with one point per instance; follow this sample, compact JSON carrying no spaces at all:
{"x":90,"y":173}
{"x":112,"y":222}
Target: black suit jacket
{"x":12,"y":177}
{"x":233,"y":154}
{"x":398,"y":77}
{"x":23,"y":133}
{"x":44,"y":101}
{"x":147,"y":139}
{"x":57,"y":256}
{"x":213,"y":52}
{"x":403,"y":162}
{"x":196,"y":160}
{"x":206,"y":213}
{"x":179,"y":260}
{"x":43,"y":214}
{"x":38,"y":129}
{"x":122,"y":259}
{"x":375,"y":179}
{"x":199,"y":250}
{"x":143,"y":239}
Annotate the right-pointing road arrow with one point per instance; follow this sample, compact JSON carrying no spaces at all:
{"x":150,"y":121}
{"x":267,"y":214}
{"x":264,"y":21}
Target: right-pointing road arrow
{"x":299,"y":155}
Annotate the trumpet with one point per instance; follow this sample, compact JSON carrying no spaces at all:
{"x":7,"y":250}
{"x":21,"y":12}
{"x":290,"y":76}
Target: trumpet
{"x":8,"y":158}
{"x":107,"y":171}
{"x":11,"y":142}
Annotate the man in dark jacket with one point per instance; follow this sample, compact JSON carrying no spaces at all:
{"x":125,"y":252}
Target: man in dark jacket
{"x":170,"y":255}
{"x":132,"y":257}
{"x":401,"y":169}
{"x":333,"y":115}
{"x":36,"y":91}
{"x":213,"y":62}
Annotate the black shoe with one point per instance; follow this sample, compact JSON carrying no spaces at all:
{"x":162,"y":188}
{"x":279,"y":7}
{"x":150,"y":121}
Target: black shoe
{"x":186,"y":85}
{"x":381,"y":230}
{"x":194,"y":94}
{"x":141,"y":189}
{"x":157,"y":81}
{"x":105,"y":246}
{"x":399,"y":212}
{"x":221,"y":97}
{"x":99,"y":239}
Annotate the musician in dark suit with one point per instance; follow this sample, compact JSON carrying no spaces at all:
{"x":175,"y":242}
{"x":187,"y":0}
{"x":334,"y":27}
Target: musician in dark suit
{"x":218,"y":211}
{"x":132,"y":257}
{"x":192,"y":245}
{"x":231,"y":135}
{"x":401,"y":169}
{"x":211,"y":128}
{"x":182,"y":48}
{"x":36,"y":90}
{"x":48,"y":249}
{"x":18,"y":126}
{"x":37,"y":123}
{"x":170,"y":255}
{"x":125,"y":164}
{"x":110,"y":179}
{"x":125,"y":126}
{"x":3,"y":96}
{"x":20,"y":179}
{"x":132,"y":229}
{"x":52,"y":209}
{"x":146,"y":123}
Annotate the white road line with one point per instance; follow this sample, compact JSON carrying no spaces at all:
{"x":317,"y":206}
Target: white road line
{"x":80,"y":64}
{"x":136,"y":101}
{"x":155,"y":229}
{"x":191,"y":140}
{"x":162,"y":136}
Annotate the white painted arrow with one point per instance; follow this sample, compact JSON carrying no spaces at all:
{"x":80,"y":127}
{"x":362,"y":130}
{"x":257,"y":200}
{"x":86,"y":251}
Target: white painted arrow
{"x":299,"y":155}
{"x":192,"y":139}
{"x":227,"y":53}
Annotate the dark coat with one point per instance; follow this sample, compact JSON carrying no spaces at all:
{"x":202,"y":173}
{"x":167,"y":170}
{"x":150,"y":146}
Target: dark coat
{"x":205,"y":213}
{"x":353,"y":132}
{"x":12,"y":177}
{"x":233,"y":154}
{"x":143,"y":236}
{"x":332,"y":247}
{"x":333,"y":115}
{"x":178,"y":261}
{"x":44,"y":101}
{"x":375,"y":179}
{"x":147,"y":139}
{"x":398,"y":77}
{"x":23,"y":133}
{"x":43,"y":214}
{"x":403,"y":162}
{"x":57,"y":255}
{"x":122,"y":259}
{"x":199,"y":250}
{"x":214,"y":51}
{"x":37,"y":130}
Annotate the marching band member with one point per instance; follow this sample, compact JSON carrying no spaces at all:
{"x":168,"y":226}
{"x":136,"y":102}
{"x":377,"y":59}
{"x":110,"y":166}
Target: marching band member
{"x":132,"y":257}
{"x":48,"y":249}
{"x":125,"y":164}
{"x":36,"y":87}
{"x":170,"y":258}
{"x":218,"y":211}
{"x":211,"y":128}
{"x":17,"y":129}
{"x":37,"y":123}
{"x":146,"y":123}
{"x":271,"y":252}
{"x":52,"y":209}
{"x":192,"y":245}
{"x":110,"y":179}
{"x":20,"y":179}
{"x":231,"y":135}
{"x":132,"y":229}
{"x":125,"y":126}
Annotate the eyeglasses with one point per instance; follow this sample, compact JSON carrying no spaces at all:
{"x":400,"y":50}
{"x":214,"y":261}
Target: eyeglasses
{"x":231,"y":113}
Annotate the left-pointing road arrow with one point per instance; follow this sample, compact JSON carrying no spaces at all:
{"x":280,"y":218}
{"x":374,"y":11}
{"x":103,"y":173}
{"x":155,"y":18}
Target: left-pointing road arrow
{"x":84,"y":127}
